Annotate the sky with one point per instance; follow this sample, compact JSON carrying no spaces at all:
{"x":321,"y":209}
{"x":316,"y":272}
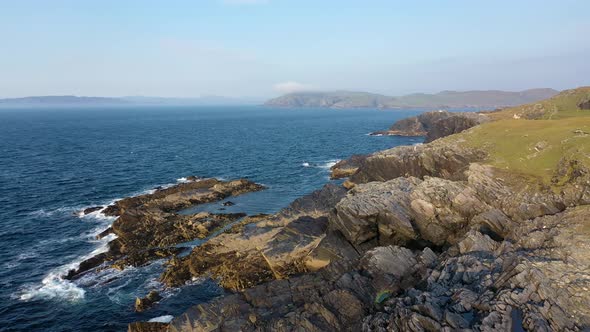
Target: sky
{"x":264,"y":48}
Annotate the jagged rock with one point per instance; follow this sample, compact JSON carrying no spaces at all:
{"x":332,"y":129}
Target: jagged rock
{"x":147,"y":327}
{"x":142,"y":304}
{"x":453,"y":124}
{"x":263,"y":248}
{"x":407,"y":211}
{"x":139,"y":258}
{"x":474,"y":289}
{"x":584,"y":105}
{"x":509,"y":250}
{"x":475,"y":241}
{"x":105,"y":233}
{"x":228,"y":203}
{"x":147,"y":226}
{"x":92,"y":209}
{"x":445,"y":160}
{"x":435,"y":124}
{"x":184,"y":195}
{"x":347,"y":167}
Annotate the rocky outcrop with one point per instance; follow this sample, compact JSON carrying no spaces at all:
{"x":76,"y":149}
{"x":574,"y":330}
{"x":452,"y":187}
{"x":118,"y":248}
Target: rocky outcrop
{"x":347,"y":167}
{"x":261,"y":248}
{"x":453,"y":124}
{"x":183,"y":195}
{"x":148,"y":226}
{"x":148,"y":327}
{"x":427,"y":250}
{"x":144,"y":303}
{"x":435,"y":124}
{"x":419,"y":160}
{"x":584,"y":105}
{"x":432,"y":254}
{"x":445,"y":160}
{"x":92,"y":209}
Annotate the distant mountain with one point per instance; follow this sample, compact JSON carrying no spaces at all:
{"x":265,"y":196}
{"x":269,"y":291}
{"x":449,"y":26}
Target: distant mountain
{"x":204,"y":100}
{"x":444,"y":99}
{"x":61,"y":101}
{"x":71,"y":101}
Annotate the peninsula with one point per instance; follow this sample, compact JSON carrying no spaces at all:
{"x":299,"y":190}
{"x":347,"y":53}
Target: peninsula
{"x":445,"y":99}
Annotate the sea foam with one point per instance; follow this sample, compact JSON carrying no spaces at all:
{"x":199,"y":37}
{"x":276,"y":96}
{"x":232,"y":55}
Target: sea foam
{"x":323,"y":165}
{"x":162,"y":319}
{"x":55,"y":286}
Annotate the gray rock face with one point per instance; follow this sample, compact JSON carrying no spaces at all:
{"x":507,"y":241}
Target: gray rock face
{"x":446,"y":161}
{"x":479,"y":284}
{"x":347,"y":167}
{"x":428,"y":239}
{"x":453,"y":124}
{"x":435,"y":124}
{"x":406,"y":210}
{"x":584,"y":105}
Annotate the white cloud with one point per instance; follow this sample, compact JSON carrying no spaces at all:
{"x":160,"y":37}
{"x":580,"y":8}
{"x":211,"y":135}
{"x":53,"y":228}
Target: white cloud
{"x":291,"y":86}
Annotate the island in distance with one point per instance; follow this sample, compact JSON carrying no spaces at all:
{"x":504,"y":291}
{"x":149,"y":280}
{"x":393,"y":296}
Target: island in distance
{"x":444,"y":99}
{"x":84,"y":101}
{"x":337,"y":99}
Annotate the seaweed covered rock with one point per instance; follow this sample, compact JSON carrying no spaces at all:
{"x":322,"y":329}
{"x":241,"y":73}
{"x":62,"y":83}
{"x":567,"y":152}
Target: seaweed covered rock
{"x":261,"y":248}
{"x":148,"y":226}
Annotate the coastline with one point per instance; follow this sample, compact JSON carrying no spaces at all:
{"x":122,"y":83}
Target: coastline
{"x":435,"y":236}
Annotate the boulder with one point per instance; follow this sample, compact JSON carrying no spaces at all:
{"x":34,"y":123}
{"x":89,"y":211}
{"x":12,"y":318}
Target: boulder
{"x":142,"y":304}
{"x":347,"y":167}
{"x":445,"y":159}
{"x":584,"y":105}
{"x":92,"y":209}
{"x":148,"y":327}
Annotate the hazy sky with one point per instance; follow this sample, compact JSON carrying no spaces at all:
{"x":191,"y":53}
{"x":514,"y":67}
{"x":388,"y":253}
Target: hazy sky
{"x":266,"y":47}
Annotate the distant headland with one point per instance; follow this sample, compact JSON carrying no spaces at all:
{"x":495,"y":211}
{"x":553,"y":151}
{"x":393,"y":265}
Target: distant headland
{"x":444,"y":99}
{"x":83,"y":101}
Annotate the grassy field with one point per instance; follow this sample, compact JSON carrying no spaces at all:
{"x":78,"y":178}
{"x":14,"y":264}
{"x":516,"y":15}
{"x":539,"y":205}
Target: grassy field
{"x":535,"y":147}
{"x":563,"y":105}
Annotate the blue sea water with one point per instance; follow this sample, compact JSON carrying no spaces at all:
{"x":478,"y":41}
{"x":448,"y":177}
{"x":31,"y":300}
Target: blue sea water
{"x":54,"y":162}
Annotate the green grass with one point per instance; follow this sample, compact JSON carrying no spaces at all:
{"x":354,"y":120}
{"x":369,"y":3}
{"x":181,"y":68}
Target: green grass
{"x":532,"y":147}
{"x":563,"y":105}
{"x":530,"y":140}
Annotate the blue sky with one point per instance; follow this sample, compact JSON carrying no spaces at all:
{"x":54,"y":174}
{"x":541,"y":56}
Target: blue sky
{"x":263,"y":48}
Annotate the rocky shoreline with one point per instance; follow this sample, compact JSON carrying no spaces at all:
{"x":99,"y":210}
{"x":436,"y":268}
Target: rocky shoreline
{"x":435,"y":124}
{"x":445,"y":236}
{"x":149,"y":226}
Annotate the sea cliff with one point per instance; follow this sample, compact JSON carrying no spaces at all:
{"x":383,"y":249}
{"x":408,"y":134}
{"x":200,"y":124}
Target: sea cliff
{"x":483,"y":228}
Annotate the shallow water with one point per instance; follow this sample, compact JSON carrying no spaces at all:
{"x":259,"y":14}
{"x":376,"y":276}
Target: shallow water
{"x":54,"y":162}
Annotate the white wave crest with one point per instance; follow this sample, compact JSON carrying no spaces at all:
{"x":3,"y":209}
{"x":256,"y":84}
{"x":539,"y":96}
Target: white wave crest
{"x":329,"y":164}
{"x":44,"y":213}
{"x":162,"y":319}
{"x":55,"y":286}
{"x":323,"y":165}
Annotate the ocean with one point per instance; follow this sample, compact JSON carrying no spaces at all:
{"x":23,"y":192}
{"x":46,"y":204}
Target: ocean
{"x":55,"y":162}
